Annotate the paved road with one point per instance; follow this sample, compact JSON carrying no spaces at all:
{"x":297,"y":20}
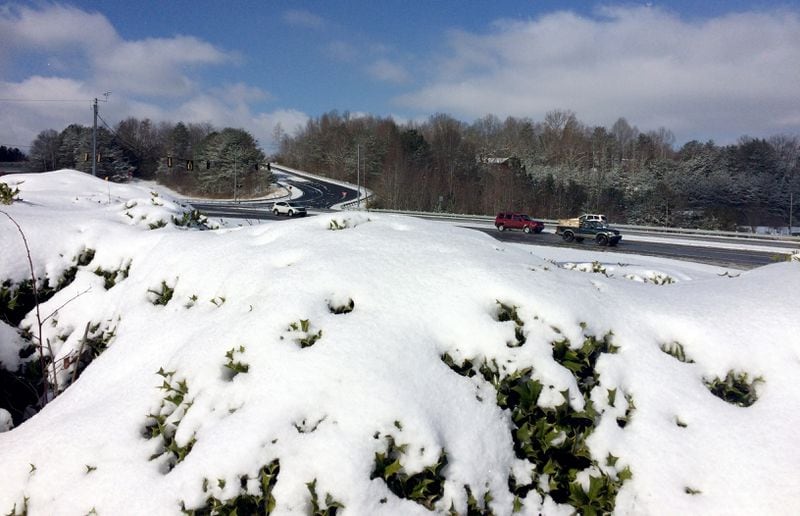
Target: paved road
{"x":319,"y":195}
{"x":316,"y":194}
{"x":735,"y":258}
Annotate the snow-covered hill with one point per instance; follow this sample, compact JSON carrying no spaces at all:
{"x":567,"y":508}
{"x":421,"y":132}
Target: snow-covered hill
{"x":376,"y":364}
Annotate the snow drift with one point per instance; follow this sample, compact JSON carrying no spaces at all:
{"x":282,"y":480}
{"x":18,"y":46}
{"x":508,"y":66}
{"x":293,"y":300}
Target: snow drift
{"x":375,"y":364}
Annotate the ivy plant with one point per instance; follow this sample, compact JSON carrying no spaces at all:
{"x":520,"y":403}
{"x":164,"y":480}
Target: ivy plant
{"x":509,"y":313}
{"x":261,"y":502}
{"x":161,"y":296}
{"x":735,"y":388}
{"x":234,"y":366}
{"x":305,"y":336}
{"x":425,"y":487}
{"x":329,"y":508}
{"x":163,"y":425}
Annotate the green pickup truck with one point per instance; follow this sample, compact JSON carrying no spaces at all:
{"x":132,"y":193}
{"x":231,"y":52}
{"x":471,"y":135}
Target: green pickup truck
{"x":583,"y":227}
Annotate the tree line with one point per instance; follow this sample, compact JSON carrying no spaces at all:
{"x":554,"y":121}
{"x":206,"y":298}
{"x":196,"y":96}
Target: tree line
{"x":557,"y":167}
{"x":194,"y":159}
{"x":552,"y":168}
{"x":11,"y":154}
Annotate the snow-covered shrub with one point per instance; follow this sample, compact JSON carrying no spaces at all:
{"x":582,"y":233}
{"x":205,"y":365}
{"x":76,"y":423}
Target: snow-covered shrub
{"x":303,"y":335}
{"x":254,"y":498}
{"x":553,"y":437}
{"x":163,"y":425}
{"x":506,"y":313}
{"x":162,"y":295}
{"x":233,"y":365}
{"x":675,"y":350}
{"x":113,"y":276}
{"x":338,"y":308}
{"x":7,"y":195}
{"x":425,"y":487}
{"x":735,"y":388}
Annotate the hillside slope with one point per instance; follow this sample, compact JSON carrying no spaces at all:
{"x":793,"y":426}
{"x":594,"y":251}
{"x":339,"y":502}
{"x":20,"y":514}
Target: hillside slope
{"x":389,"y":365}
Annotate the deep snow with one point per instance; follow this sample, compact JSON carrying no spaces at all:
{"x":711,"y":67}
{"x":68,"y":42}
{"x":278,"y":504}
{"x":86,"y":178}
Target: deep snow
{"x":419,"y":290}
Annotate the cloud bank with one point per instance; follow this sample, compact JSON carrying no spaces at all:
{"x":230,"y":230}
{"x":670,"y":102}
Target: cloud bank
{"x":731,"y":75}
{"x":719,"y":78}
{"x":156,"y":78}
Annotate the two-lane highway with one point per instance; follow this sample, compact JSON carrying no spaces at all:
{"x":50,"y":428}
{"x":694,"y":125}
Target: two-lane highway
{"x":320,"y":195}
{"x":740,"y":258}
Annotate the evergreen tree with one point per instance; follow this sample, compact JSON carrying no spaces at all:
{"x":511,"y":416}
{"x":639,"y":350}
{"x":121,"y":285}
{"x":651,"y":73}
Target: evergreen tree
{"x":235,"y":165}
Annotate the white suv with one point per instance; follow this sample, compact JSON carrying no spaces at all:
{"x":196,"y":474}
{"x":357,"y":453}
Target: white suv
{"x":288,"y":208}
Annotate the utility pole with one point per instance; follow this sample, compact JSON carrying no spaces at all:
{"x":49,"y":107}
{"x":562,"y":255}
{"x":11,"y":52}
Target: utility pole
{"x":94,"y":139}
{"x":791,"y":203}
{"x":358,"y":176}
{"x":94,"y":133}
{"x":235,"y":179}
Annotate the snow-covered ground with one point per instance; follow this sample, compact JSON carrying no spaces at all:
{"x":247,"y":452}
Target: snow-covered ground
{"x":389,"y":365}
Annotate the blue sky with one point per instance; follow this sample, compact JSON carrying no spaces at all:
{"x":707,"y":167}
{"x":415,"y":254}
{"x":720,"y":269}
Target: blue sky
{"x":702,"y":69}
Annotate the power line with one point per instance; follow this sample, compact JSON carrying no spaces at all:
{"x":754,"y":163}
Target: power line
{"x":131,"y":147}
{"x":45,"y":100}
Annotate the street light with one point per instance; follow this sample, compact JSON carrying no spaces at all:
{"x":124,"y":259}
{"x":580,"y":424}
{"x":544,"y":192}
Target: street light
{"x":358,"y":176}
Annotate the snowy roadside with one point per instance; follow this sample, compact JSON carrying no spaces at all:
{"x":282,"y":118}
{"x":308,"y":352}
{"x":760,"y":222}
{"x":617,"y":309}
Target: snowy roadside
{"x":382,"y":364}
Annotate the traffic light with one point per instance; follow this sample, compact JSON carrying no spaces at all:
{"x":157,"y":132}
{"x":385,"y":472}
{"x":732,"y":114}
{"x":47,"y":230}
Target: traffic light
{"x":98,"y":157}
{"x":169,"y":161}
{"x":189,"y":164}
{"x":85,"y":156}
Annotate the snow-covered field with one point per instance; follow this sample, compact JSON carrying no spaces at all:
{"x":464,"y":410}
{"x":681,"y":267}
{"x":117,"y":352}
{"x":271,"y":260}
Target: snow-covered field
{"x":380,"y":364}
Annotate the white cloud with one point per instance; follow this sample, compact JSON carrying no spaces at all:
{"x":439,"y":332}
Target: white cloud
{"x":264,"y":126}
{"x":145,"y":76}
{"x":301,"y":18}
{"x":341,"y":51}
{"x":54,"y":27}
{"x":155,"y":66}
{"x":35,"y":109}
{"x":385,"y":70}
{"x":226,"y":111}
{"x":244,"y":93}
{"x":729,"y":75}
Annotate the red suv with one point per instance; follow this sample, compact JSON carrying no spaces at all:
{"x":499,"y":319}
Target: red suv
{"x":521,"y":221}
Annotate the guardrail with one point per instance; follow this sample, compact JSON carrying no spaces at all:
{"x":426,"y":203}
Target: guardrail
{"x":649,"y":229}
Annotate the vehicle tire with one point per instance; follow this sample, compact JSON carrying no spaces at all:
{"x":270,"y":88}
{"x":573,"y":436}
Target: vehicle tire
{"x":501,"y":227}
{"x":568,"y":236}
{"x":276,"y":212}
{"x":291,"y":213}
{"x":527,"y":229}
{"x":602,"y":240}
{"x":579,"y":239}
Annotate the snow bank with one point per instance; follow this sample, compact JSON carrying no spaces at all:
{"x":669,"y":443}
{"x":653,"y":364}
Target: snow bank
{"x":332,"y":345}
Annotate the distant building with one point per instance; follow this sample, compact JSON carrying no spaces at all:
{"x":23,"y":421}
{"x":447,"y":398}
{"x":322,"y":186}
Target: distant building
{"x":496,"y":162}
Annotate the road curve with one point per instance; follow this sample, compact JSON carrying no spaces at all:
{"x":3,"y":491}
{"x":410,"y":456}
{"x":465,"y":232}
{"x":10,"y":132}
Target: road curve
{"x":320,"y":195}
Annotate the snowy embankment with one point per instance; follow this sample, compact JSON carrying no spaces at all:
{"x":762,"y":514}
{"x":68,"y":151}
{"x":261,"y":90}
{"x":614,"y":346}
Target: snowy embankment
{"x":378,"y":364}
